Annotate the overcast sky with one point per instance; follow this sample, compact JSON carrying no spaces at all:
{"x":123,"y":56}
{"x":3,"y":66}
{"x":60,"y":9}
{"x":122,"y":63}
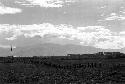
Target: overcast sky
{"x":97,"y":23}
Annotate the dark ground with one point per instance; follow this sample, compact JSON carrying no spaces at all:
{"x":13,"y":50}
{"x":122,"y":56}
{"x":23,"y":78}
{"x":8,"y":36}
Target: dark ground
{"x":57,"y":71}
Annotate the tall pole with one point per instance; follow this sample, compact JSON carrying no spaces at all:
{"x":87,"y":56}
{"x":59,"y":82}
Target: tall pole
{"x":11,"y":50}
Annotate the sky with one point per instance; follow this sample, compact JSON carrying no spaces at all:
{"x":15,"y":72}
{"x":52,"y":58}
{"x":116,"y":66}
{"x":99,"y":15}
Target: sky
{"x":96,"y":23}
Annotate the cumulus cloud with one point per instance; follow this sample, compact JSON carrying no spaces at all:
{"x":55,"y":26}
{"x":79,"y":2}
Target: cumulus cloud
{"x":11,"y":38}
{"x":122,"y":33}
{"x":45,"y":3}
{"x":113,"y":42}
{"x":97,"y":36}
{"x":114,"y":16}
{"x":41,"y":3}
{"x":8,"y":10}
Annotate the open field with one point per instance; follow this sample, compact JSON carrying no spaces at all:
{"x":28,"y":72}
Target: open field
{"x":39,"y":70}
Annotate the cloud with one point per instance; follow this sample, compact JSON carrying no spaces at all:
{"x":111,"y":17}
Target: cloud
{"x":11,"y":38}
{"x":45,"y":3}
{"x":122,"y":33}
{"x":97,"y":36}
{"x":113,"y":42}
{"x":9,"y":10}
{"x":114,"y":16}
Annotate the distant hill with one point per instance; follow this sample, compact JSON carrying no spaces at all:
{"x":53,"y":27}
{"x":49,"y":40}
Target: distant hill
{"x":54,"y":49}
{"x":49,"y":49}
{"x":4,"y":52}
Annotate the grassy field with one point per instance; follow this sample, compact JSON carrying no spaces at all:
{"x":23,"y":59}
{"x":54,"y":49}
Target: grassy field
{"x":57,"y":71}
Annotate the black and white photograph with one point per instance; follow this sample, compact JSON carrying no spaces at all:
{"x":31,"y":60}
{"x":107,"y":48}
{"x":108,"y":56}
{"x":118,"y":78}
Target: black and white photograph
{"x":62,"y":41}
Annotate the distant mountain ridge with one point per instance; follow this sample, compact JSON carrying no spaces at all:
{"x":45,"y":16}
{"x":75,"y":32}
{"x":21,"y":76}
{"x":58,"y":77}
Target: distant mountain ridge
{"x":49,"y":49}
{"x":53,"y":49}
